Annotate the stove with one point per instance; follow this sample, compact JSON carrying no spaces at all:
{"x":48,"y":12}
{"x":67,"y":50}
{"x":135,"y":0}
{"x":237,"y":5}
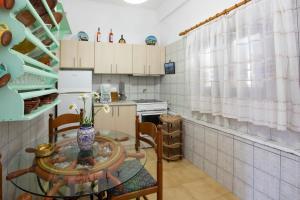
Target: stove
{"x":149,"y":110}
{"x":151,"y":105}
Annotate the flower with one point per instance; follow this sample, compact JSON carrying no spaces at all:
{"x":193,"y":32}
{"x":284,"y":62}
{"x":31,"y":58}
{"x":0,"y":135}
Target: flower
{"x":83,"y":96}
{"x":106,"y":108}
{"x":73,"y":107}
{"x":96,"y":95}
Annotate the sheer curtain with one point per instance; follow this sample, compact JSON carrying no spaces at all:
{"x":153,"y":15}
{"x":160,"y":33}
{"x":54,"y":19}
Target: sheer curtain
{"x":245,"y":65}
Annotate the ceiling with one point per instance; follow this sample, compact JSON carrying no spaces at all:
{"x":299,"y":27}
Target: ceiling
{"x":150,"y":4}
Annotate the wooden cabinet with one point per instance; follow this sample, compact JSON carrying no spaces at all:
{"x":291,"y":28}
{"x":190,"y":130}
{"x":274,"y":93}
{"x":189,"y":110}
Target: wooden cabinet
{"x":113,"y":58}
{"x":121,"y":118}
{"x":147,"y":60}
{"x":68,"y":54}
{"x":77,"y":54}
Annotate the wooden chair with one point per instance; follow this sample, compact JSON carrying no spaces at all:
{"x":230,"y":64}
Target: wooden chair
{"x":63,"y":120}
{"x":143,"y":183}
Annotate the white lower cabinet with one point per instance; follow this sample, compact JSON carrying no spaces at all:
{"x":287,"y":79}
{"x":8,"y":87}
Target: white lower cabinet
{"x":121,"y":118}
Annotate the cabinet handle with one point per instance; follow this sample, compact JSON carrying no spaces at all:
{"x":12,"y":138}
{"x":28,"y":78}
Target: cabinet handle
{"x":144,"y":69}
{"x":74,"y":62}
{"x":113,"y":110}
{"x":118,"y":111}
{"x":149,"y":69}
{"x":111,"y":68}
{"x":80,"y":62}
{"x":116,"y":68}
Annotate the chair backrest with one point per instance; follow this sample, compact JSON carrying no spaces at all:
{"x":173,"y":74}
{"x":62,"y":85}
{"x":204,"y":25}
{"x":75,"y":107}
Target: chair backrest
{"x":63,"y":120}
{"x":150,"y":129}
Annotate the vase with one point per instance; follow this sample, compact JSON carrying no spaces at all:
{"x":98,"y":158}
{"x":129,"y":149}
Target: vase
{"x":85,"y":138}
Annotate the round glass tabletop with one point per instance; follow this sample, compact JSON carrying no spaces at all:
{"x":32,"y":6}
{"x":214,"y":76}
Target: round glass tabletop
{"x":69,"y":172}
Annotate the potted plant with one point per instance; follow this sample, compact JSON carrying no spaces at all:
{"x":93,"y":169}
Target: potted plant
{"x":86,"y":132}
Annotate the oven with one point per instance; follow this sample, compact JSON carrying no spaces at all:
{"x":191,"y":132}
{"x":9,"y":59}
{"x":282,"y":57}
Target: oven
{"x":151,"y":116}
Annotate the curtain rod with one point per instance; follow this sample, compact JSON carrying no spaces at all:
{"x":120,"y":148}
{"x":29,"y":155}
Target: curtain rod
{"x":224,"y":12}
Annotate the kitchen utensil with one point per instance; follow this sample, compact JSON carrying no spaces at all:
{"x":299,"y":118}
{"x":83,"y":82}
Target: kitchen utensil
{"x":7,"y":4}
{"x":4,"y":76}
{"x":5,"y":35}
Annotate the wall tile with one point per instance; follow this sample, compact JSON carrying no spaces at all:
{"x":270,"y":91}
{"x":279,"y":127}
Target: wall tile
{"x":211,"y":154}
{"x":242,"y":190}
{"x":225,"y":162}
{"x":225,"y":144}
{"x":225,"y":178}
{"x":243,"y":152}
{"x":199,"y":133}
{"x":290,"y":171}
{"x":260,"y":196}
{"x":243,"y":171}
{"x":198,"y":161}
{"x":267,"y":161}
{"x":288,"y":192}
{"x":199,"y":147}
{"x":211,"y":137}
{"x":266,"y":184}
{"x":210,"y":169}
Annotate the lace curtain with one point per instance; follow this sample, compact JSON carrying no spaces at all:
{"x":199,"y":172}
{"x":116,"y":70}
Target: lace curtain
{"x":245,"y":65}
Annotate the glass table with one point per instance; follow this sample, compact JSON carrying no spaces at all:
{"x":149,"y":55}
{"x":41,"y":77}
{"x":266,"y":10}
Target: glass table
{"x":71,"y":173}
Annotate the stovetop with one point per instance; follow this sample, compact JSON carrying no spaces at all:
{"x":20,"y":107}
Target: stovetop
{"x":147,"y":101}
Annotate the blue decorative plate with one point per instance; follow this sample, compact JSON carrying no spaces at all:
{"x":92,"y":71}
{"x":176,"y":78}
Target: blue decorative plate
{"x":82,"y":36}
{"x":151,"y":40}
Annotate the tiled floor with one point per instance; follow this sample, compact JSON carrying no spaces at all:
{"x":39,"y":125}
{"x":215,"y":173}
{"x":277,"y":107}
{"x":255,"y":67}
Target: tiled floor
{"x":184,"y":181}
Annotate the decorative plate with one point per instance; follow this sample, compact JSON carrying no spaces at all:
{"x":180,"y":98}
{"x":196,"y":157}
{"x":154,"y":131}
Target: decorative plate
{"x":151,"y":40}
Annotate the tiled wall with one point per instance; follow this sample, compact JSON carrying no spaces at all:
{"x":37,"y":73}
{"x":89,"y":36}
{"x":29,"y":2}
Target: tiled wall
{"x":250,"y":170}
{"x":135,"y":87}
{"x":176,"y":92}
{"x":15,"y":136}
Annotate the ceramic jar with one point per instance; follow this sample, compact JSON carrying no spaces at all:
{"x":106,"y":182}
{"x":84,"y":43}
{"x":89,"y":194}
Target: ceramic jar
{"x":5,"y":35}
{"x":85,"y":138}
{"x":7,"y":4}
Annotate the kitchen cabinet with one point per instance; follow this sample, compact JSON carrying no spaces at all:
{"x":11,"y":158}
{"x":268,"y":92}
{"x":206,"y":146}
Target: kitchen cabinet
{"x":77,"y":54}
{"x":121,"y":118}
{"x":113,"y":58}
{"x":147,"y":60}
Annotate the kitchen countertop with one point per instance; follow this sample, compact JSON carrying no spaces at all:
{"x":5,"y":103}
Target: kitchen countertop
{"x":118,"y":103}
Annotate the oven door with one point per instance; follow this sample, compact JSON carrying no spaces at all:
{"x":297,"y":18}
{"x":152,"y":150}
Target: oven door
{"x":151,"y":116}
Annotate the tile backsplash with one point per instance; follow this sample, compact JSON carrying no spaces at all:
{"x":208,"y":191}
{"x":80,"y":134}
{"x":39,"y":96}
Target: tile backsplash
{"x":135,"y":87}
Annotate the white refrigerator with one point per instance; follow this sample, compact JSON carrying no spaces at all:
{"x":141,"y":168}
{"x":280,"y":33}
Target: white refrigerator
{"x":71,"y":84}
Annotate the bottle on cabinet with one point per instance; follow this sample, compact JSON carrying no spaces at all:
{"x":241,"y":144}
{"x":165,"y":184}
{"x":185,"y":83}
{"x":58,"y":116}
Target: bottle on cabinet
{"x":111,"y":36}
{"x":122,"y":40}
{"x":98,"y":35}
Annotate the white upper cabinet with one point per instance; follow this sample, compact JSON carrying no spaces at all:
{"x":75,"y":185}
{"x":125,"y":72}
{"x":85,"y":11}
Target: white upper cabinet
{"x":77,"y":54}
{"x":113,"y":58}
{"x":147,"y":60}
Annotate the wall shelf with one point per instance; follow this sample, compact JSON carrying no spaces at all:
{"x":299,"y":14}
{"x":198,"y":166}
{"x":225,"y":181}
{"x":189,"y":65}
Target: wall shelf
{"x":30,"y":78}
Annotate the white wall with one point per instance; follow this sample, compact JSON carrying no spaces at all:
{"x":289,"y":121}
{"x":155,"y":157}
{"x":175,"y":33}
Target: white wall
{"x":135,"y":23}
{"x":190,"y":13}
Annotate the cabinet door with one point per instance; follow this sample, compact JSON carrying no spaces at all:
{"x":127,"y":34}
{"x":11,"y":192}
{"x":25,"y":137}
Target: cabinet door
{"x":68,"y":54}
{"x":154,"y":62}
{"x":139,"y":59}
{"x":86,"y":51}
{"x":162,"y":60}
{"x":104,"y":58}
{"x":125,"y":119}
{"x":123,"y":59}
{"x":103,"y":120}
